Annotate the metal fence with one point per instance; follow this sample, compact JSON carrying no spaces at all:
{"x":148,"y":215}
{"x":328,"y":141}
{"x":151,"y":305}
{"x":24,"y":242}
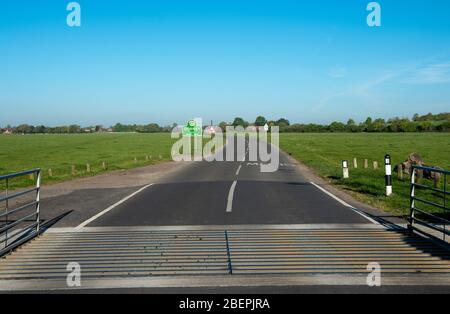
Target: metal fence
{"x":425,"y":211}
{"x":19,"y":219}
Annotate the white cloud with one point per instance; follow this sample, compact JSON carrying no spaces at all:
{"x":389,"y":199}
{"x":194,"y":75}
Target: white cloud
{"x":365,"y":92}
{"x":430,"y":74}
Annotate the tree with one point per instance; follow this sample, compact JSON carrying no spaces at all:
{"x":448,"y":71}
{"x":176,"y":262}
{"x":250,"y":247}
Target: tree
{"x":74,"y":128}
{"x":239,"y":121}
{"x":367,"y":126}
{"x":260,"y":121}
{"x":337,"y":127}
{"x":351,"y":126}
{"x":223,"y":126}
{"x":25,"y":128}
{"x":152,"y":128}
{"x":282,"y":122}
{"x":378,"y":125}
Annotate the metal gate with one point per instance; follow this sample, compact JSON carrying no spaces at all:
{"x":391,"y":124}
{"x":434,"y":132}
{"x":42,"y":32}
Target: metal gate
{"x":20,"y":219}
{"x":429,"y":203}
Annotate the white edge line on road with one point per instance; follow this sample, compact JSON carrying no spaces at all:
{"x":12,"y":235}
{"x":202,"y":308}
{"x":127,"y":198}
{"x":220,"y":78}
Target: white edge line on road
{"x":238,"y":169}
{"x":344,"y":203}
{"x":230,"y":197}
{"x":111,"y":207}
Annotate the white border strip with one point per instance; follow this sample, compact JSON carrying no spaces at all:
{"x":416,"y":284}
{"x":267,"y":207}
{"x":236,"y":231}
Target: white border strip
{"x":344,"y":203}
{"x":225,"y":281}
{"x":221,"y":228}
{"x":111,"y":207}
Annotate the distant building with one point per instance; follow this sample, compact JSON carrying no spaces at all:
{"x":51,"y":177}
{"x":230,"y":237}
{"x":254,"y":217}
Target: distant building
{"x":7,"y":131}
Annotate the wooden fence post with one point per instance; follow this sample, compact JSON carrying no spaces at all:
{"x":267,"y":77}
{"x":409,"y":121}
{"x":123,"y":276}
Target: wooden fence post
{"x":74,"y":172}
{"x":355,"y":163}
{"x":366,"y":164}
{"x":50,"y":173}
{"x":104,"y":165}
{"x":437,"y":180}
{"x":88,"y":168}
{"x":375,"y":165}
{"x":400,"y":171}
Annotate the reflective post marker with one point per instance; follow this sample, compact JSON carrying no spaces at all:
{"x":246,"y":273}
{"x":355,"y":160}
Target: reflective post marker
{"x":388,"y":176}
{"x":345,"y":169}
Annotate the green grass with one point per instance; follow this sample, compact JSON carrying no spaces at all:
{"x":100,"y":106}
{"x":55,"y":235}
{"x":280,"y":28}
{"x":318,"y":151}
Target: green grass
{"x":60,"y":152}
{"x":324,"y":154}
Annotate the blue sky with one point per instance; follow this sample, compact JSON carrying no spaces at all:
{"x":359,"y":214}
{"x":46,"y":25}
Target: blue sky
{"x":168,"y":61}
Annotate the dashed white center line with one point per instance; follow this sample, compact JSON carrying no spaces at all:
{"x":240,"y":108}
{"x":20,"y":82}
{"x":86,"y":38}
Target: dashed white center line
{"x":238,"y":169}
{"x":230,"y":197}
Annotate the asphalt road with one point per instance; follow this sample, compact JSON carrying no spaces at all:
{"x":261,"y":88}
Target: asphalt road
{"x":200,"y":195}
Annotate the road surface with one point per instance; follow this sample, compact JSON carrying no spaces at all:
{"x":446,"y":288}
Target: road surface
{"x":229,"y":193}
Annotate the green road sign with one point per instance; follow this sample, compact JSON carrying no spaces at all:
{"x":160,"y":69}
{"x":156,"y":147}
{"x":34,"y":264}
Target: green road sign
{"x":192,"y":129}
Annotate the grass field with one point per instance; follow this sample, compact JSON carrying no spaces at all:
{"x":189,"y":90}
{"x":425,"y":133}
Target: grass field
{"x":60,"y":152}
{"x":324,"y":153}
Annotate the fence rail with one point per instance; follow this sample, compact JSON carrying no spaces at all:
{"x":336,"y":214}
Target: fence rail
{"x":15,"y":228}
{"x":427,"y":219}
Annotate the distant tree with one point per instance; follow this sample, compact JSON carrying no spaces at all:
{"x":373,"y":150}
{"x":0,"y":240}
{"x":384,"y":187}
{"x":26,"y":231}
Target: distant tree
{"x":378,"y":125}
{"x":424,"y":126}
{"x":282,"y":122}
{"x":74,"y":128}
{"x":223,"y":126}
{"x":337,"y":127}
{"x":260,"y":121}
{"x":118,"y":127}
{"x":41,"y":129}
{"x":429,"y":117}
{"x":25,"y":128}
{"x":352,"y":126}
{"x":444,"y":127}
{"x":367,"y":125}
{"x":152,"y":128}
{"x":239,"y":121}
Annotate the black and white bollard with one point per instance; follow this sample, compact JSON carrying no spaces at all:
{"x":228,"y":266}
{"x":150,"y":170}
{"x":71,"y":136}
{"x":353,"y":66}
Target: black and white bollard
{"x":345,"y":169}
{"x":388,"y":176}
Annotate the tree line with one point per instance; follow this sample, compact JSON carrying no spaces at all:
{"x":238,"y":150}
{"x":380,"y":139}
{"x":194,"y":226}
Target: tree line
{"x":425,"y":123}
{"x":76,"y":129}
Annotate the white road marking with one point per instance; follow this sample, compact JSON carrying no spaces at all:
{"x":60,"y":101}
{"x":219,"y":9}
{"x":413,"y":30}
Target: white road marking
{"x":111,"y":207}
{"x":230,"y":197}
{"x":344,"y":203}
{"x":238,"y":169}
